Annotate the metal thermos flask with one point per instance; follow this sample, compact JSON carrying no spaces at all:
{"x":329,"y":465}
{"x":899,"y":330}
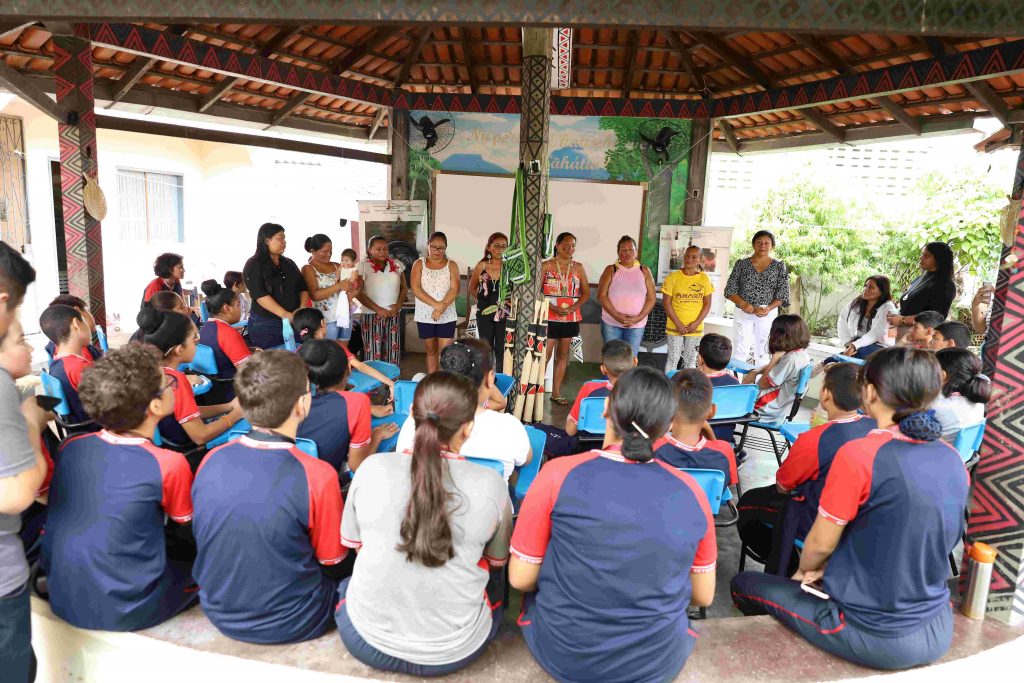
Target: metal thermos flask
{"x":979,"y":578}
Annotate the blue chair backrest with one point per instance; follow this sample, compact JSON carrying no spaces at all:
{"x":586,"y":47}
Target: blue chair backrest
{"x":504,"y":383}
{"x":592,"y":415}
{"x":713,"y":484}
{"x":849,"y":359}
{"x":307,"y":446}
{"x":204,"y":362}
{"x":404,"y":392}
{"x":204,"y":313}
{"x":804,"y":380}
{"x":101,"y":337}
{"x":734,"y":401}
{"x":968,"y":440}
{"x":528,"y":472}
{"x":288,"y":334}
{"x":389,"y":370}
{"x":495,"y":465}
{"x":52,"y":387}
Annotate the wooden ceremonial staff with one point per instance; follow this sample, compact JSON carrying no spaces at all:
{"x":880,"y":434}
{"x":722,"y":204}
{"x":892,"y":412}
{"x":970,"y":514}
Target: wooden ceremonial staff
{"x":510,"y":335}
{"x":526,"y":373}
{"x":531,"y":386}
{"x":540,"y":363}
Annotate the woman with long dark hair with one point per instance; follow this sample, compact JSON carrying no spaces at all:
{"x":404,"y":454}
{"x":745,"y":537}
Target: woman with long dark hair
{"x":965,"y":391}
{"x":326,"y":287}
{"x":484,"y":283}
{"x":864,"y":324}
{"x":382,"y":296}
{"x":612,"y":546}
{"x":276,"y":286}
{"x":878,"y":585}
{"x":425,"y":522}
{"x":933,"y":290}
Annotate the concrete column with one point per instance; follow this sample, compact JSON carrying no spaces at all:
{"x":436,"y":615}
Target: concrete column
{"x":997,"y":504}
{"x":399,"y":130}
{"x":78,"y":158}
{"x":697,"y":179}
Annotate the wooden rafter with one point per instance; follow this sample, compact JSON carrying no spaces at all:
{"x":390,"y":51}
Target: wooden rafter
{"x":898,"y":113}
{"x":9,"y":27}
{"x":377,"y":120}
{"x":135,"y":72}
{"x":727,"y":52}
{"x":984,"y":92}
{"x":422,"y":35}
{"x":346,"y":61}
{"x":21,"y":86}
{"x":824,"y":52}
{"x":293,"y":103}
{"x":469,"y":62}
{"x":630,"y":65}
{"x":729,"y":135}
{"x":697,"y":76}
{"x":821,"y":122}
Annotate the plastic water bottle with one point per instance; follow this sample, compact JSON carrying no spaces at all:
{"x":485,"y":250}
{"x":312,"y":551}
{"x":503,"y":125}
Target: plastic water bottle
{"x":979,"y":578}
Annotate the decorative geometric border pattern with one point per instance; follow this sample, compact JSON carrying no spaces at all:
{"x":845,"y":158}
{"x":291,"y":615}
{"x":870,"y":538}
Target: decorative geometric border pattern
{"x":562,"y":66}
{"x":82,"y":233}
{"x":997,"y":511}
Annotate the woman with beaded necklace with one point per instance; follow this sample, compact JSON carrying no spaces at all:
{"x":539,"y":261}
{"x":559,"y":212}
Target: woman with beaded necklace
{"x":566,"y":288}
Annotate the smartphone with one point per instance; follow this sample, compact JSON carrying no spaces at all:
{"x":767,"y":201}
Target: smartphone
{"x":815,"y":589}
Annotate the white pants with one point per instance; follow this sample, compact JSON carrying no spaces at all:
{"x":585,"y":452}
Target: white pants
{"x":750,"y":336}
{"x":681,"y":346}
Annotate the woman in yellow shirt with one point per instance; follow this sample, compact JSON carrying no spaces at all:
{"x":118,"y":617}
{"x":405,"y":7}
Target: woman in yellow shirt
{"x":686,"y":297}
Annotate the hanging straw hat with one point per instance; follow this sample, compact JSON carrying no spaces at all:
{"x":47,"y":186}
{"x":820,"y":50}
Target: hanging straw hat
{"x":95,"y":202}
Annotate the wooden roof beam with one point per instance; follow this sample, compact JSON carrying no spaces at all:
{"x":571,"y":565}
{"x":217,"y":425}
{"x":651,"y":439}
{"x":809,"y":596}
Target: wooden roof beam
{"x":699,"y":78}
{"x":217,"y":92}
{"x":470,"y":63}
{"x":744,"y":64}
{"x":379,"y":119}
{"x":129,"y":78}
{"x":9,"y":27}
{"x":821,"y":122}
{"x":21,"y":86}
{"x":984,"y":92}
{"x":729,"y":135}
{"x":824,"y":52}
{"x":289,"y":108}
{"x":422,"y":35}
{"x":347,"y":61}
{"x":630,"y":66}
{"x":897,"y":113}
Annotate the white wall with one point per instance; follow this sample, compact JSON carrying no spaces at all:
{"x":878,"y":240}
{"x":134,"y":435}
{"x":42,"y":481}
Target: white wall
{"x":229,"y":191}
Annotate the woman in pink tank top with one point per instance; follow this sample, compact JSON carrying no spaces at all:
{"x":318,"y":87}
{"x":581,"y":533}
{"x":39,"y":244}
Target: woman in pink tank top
{"x":626,"y":294}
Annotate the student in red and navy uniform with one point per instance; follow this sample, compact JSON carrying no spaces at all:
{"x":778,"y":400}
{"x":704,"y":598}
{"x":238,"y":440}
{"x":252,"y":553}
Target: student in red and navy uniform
{"x":169,"y":270}
{"x":268,"y":516}
{"x":105,"y":549}
{"x":773,"y":517}
{"x":229,"y":348}
{"x":90,"y":351}
{"x":65,"y":327}
{"x":713,"y":355}
{"x":891,"y":512}
{"x":613,"y":545}
{"x":787,"y":342}
{"x":338,"y":420}
{"x":616,"y":357}
{"x":686,"y":446}
{"x":175,"y":337}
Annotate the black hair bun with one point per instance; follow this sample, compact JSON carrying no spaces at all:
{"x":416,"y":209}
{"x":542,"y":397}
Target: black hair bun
{"x":149,"y":319}
{"x":308,"y":245}
{"x":921,"y":425}
{"x":315,"y":352}
{"x":210,"y":287}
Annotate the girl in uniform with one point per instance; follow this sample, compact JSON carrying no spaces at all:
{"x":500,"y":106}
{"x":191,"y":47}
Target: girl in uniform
{"x":229,"y":348}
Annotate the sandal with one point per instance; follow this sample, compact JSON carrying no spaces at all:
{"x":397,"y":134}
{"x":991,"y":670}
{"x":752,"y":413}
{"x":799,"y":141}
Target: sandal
{"x":560,"y":400}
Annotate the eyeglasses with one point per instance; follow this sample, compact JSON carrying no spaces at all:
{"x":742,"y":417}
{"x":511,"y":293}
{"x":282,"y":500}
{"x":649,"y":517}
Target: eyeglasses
{"x":172,"y":384}
{"x":435,"y":247}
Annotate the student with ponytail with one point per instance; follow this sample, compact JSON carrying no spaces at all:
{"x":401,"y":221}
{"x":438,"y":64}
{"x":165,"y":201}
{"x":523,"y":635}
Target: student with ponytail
{"x":427,"y":524}
{"x":612,"y":546}
{"x":229,"y":348}
{"x":965,"y":391}
{"x":891,"y":511}
{"x":175,"y":337}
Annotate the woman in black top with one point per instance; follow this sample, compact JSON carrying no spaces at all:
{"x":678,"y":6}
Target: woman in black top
{"x":483,"y":286}
{"x":276,"y":286}
{"x":934,"y":290}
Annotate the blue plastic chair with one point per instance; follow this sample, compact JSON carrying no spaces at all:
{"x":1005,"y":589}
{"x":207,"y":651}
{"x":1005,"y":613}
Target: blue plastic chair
{"x":52,"y":388}
{"x":712,"y":482}
{"x":779,"y":447}
{"x":842,"y":358}
{"x":504,"y":383}
{"x":101,"y":337}
{"x":739,"y":366}
{"x":733,"y":402}
{"x":389,"y":370}
{"x":289,"y":335}
{"x":495,"y":465}
{"x":528,"y":472}
{"x":968,"y":440}
{"x":362,"y":384}
{"x":792,"y":430}
{"x":307,"y":446}
{"x":592,"y":415}
{"x":404,"y":392}
{"x":398,"y":418}
{"x":204,"y":362}
{"x":204,"y":313}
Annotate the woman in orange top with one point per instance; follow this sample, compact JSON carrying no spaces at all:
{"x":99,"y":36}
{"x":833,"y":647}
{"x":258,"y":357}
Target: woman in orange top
{"x":566,"y":288}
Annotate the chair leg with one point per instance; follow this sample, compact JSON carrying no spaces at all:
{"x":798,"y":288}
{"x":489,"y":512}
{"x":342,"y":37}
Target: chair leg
{"x":743,"y":555}
{"x":952,"y":565}
{"x":775,"y":447}
{"x":743,"y":437}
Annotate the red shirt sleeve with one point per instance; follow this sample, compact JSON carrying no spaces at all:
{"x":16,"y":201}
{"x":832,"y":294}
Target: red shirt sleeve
{"x":232,"y":344}
{"x":849,"y":481}
{"x":73,"y":368}
{"x":586,"y":390}
{"x":802,"y":462}
{"x":533,"y":530}
{"x":324,"y":509}
{"x":176,"y":479}
{"x":156,"y":285}
{"x":185,"y":406}
{"x":45,"y":486}
{"x":358,"y":418}
{"x":706,"y":558}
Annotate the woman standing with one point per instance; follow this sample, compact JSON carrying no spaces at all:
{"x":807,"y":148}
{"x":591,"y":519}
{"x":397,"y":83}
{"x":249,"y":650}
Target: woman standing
{"x":758,"y":285}
{"x":382,"y":296}
{"x":864,"y":325}
{"x":626,"y":294}
{"x":435,"y":284}
{"x":933,"y":290}
{"x":491,"y":314}
{"x":276,"y":286}
{"x":324,"y":285}
{"x":566,"y":288}
{"x":686,"y":297}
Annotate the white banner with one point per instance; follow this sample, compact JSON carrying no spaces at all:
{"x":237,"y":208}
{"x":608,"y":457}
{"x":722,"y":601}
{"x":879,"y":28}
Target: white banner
{"x":716,"y":242}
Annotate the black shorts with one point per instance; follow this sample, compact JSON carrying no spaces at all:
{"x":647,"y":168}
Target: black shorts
{"x":557,"y":330}
{"x":435,"y":330}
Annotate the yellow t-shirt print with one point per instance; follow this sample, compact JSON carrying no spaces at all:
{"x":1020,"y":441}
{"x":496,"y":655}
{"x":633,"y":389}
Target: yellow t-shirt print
{"x":687,"y":294}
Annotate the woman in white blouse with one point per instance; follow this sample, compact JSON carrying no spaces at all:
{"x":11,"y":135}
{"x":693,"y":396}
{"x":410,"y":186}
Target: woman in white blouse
{"x":863,"y":327}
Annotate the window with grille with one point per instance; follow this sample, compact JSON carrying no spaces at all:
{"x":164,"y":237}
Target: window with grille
{"x":150,"y":206}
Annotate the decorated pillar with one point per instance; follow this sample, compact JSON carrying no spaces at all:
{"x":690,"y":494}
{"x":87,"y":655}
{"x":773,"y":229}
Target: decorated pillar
{"x":399,"y":129}
{"x":997,"y":504}
{"x":697,"y":179}
{"x":72,"y":65}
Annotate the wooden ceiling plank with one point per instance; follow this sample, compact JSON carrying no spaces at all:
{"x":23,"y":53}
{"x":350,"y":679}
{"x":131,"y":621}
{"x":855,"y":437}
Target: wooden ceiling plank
{"x":412,"y":56}
{"x":727,"y":52}
{"x":729,"y":135}
{"x":348,"y":60}
{"x":21,"y":86}
{"x":469,"y":62}
{"x":293,"y":103}
{"x":821,"y":122}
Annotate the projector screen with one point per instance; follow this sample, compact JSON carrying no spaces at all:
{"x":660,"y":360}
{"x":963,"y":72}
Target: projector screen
{"x":468,"y":208}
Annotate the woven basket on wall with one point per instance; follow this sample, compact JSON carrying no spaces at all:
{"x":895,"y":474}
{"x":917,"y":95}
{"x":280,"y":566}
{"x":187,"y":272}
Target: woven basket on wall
{"x":1008,"y":222}
{"x":95,"y":202}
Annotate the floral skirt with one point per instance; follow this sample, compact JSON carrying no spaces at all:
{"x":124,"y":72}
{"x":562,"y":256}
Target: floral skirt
{"x":381,"y":338}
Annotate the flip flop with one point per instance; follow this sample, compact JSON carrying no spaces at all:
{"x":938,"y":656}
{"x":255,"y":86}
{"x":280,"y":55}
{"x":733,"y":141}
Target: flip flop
{"x":560,"y":400}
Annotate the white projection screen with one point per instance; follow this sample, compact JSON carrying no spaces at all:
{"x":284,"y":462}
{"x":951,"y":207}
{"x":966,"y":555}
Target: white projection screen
{"x":468,"y":208}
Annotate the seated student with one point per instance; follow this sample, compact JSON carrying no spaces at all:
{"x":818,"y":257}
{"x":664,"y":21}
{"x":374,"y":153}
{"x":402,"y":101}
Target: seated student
{"x":965,"y":391}
{"x":495,"y":436}
{"x":105,"y":551}
{"x":920,"y":334}
{"x":713,"y":355}
{"x":800,"y":479}
{"x":420,"y":601}
{"x":229,"y":349}
{"x":950,"y":335}
{"x":233,"y":280}
{"x":685,"y":445}
{"x":90,"y":351}
{"x":175,"y":336}
{"x":168,"y":302}
{"x":268,"y":516}
{"x":338,"y":420}
{"x":787,"y":342}
{"x":65,"y":327}
{"x":612,"y":546}
{"x":616,"y":357}
{"x":889,"y":604}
